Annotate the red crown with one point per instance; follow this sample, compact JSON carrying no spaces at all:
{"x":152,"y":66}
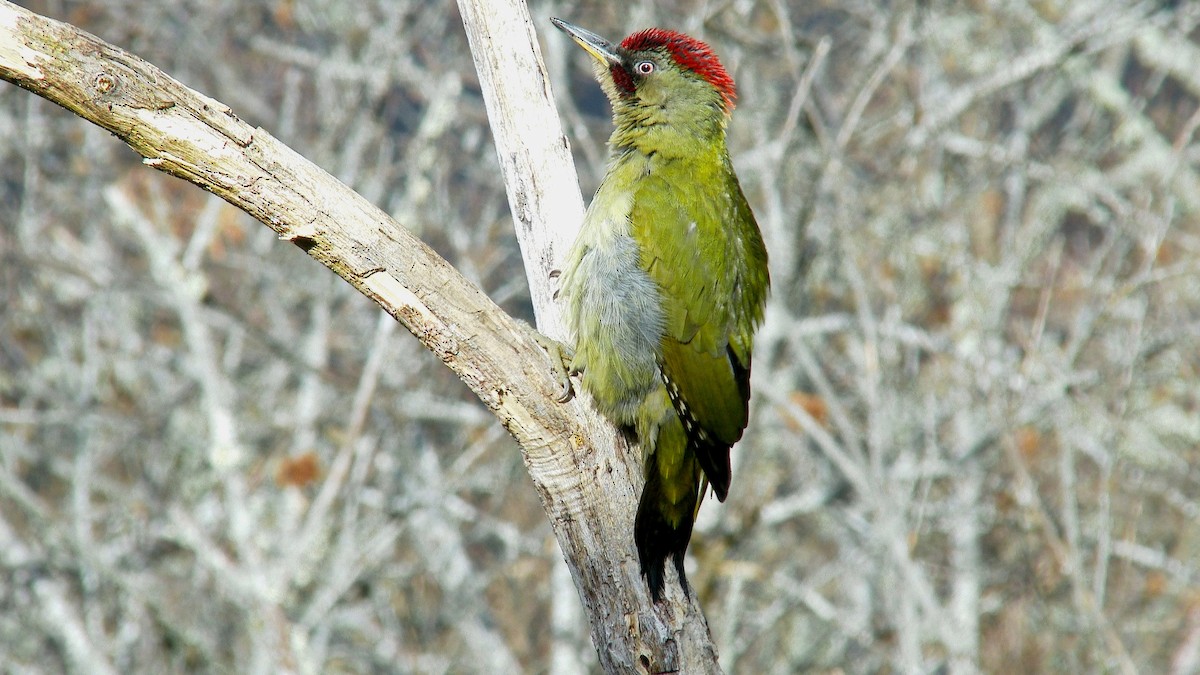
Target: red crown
{"x":688,"y":53}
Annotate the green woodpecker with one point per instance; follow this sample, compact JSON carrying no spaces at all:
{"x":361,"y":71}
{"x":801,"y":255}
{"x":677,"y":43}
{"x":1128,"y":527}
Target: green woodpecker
{"x":667,"y":281}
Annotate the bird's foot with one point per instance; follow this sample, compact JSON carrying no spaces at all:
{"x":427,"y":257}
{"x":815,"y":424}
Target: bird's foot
{"x":560,"y":359}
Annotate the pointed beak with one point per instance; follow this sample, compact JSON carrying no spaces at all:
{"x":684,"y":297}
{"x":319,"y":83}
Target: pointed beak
{"x":602,"y":50}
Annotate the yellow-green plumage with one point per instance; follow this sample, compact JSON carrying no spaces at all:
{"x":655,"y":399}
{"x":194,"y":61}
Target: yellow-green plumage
{"x":666,"y":283}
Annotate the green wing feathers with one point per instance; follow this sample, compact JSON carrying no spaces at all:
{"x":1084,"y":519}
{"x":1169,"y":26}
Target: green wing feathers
{"x":703,"y":250}
{"x":710,"y":395}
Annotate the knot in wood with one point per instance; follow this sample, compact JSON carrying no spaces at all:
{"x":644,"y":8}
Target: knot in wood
{"x":104,"y":82}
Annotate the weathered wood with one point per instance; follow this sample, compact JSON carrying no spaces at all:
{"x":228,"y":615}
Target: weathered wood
{"x":586,"y":476}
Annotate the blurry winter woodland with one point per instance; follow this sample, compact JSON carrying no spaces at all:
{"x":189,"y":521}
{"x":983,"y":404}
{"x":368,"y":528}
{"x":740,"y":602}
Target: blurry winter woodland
{"x":975,"y":442}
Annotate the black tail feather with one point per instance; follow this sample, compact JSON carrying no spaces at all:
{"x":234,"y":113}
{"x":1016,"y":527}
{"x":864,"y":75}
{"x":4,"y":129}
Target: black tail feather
{"x":675,"y":473}
{"x":657,"y":538}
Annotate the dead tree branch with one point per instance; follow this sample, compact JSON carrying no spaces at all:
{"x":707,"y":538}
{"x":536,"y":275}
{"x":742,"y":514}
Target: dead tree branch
{"x":585,"y":477}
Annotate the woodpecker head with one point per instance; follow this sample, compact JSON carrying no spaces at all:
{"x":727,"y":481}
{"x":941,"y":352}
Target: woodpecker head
{"x":663,"y":75}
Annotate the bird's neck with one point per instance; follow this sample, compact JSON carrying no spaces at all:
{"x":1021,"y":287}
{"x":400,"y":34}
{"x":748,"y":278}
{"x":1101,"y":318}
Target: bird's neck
{"x":653,"y":130}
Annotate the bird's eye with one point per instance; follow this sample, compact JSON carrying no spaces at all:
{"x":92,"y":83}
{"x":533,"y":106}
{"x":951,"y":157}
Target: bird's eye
{"x":644,"y":67}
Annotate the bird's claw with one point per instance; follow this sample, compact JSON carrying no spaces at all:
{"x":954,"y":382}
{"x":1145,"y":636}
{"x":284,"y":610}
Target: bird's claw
{"x":560,"y":356}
